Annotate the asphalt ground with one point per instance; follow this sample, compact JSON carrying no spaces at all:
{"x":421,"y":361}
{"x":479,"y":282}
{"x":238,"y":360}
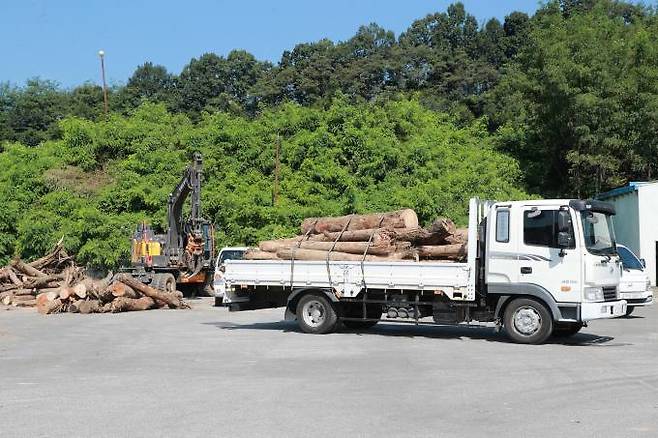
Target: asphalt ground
{"x":208,"y":372}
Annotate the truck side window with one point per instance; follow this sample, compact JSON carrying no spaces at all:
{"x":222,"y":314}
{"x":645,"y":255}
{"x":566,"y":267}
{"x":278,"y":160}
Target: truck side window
{"x":540,"y":228}
{"x":502,"y":226}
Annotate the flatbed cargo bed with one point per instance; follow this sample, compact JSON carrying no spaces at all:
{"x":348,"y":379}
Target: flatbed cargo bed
{"x":348,"y":278}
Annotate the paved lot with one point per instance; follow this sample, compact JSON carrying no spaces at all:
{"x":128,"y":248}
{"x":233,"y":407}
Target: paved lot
{"x":210,"y":372}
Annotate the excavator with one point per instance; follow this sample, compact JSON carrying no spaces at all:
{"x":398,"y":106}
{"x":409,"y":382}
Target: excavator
{"x":184,"y":255}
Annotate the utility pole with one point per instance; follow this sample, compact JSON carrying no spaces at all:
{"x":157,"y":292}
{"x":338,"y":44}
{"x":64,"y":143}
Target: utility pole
{"x":277,"y":166}
{"x":101,"y":54}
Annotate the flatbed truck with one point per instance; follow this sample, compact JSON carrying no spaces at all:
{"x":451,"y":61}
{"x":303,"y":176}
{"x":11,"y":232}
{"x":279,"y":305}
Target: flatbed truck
{"x":536,"y":268}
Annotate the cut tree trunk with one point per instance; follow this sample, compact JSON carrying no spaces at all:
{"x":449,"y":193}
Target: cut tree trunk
{"x":80,"y":290}
{"x":24,"y":303}
{"x":313,"y":254}
{"x":379,"y":235}
{"x":89,"y":306}
{"x":396,"y":219}
{"x":460,"y":236}
{"x":119,"y":289}
{"x":257,"y":254}
{"x":170,"y":299}
{"x":354,"y":247}
{"x":26,"y":269}
{"x":442,"y":251}
{"x":125,"y":304}
{"x":40,"y":282}
{"x":46,"y":306}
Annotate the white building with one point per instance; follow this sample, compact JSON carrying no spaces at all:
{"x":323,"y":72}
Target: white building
{"x":636,"y":222}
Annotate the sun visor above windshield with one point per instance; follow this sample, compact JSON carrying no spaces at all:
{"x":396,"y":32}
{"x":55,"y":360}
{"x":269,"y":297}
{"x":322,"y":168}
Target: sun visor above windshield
{"x":592,"y":205}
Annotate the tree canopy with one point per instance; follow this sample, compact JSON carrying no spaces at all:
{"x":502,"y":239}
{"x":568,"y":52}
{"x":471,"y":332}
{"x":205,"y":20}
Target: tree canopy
{"x":561,"y":103}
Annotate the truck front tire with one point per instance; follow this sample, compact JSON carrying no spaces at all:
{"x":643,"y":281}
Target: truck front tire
{"x":316,"y":314}
{"x":527,"y":321}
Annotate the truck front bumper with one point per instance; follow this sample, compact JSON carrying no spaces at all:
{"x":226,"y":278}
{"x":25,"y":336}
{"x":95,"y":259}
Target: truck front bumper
{"x":608,"y":309}
{"x":637,"y":298}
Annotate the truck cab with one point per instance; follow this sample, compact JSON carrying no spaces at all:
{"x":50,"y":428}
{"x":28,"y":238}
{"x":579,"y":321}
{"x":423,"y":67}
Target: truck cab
{"x":559,"y":252}
{"x":634,"y":286}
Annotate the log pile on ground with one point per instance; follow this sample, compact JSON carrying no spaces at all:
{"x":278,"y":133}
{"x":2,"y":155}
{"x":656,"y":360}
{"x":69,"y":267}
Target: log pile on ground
{"x":55,"y":284}
{"x":371,"y":237}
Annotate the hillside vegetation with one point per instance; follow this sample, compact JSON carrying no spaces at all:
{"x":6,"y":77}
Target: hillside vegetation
{"x":563,"y":103}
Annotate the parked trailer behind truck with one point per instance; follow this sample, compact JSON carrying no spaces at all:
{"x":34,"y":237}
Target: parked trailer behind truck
{"x":536,"y":268}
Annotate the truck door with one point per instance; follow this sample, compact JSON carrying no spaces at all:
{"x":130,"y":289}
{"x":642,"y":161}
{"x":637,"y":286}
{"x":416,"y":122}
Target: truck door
{"x":502,"y":241}
{"x":541,"y":262}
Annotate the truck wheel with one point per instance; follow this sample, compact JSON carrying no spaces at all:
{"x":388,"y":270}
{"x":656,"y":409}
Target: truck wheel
{"x":527,"y":321}
{"x":315,"y":314}
{"x":629,"y":310}
{"x":564,"y":330}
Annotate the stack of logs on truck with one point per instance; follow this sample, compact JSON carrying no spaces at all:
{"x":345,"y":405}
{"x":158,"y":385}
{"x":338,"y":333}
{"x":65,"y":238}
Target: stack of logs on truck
{"x":370,"y":237}
{"x":55,"y":284}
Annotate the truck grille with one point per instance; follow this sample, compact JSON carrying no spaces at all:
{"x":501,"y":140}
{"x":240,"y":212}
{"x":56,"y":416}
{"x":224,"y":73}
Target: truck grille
{"x":609,"y":293}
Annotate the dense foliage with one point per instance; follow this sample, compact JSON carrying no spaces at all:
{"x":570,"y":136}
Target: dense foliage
{"x":563,"y":103}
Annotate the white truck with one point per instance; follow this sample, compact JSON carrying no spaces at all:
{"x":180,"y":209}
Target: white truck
{"x":535,"y":268}
{"x":634,"y":284}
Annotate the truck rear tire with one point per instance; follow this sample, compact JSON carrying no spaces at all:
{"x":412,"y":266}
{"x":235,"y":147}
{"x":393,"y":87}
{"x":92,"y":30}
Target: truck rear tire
{"x":528,"y":321}
{"x":316,"y":314}
{"x":564,"y":330}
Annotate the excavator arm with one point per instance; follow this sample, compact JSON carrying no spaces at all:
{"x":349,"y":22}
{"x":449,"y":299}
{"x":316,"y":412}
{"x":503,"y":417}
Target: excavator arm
{"x":190,"y":184}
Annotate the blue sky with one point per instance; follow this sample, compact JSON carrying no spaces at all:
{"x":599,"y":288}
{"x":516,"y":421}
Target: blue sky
{"x":59,"y":40}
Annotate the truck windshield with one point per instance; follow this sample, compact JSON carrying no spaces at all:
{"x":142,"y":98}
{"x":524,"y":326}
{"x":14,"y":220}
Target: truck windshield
{"x":628,"y":259}
{"x":599,"y":234}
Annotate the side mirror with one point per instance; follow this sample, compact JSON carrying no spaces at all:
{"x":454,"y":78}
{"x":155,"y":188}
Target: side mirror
{"x":644,"y":263}
{"x":563,"y":221}
{"x":564,"y":240}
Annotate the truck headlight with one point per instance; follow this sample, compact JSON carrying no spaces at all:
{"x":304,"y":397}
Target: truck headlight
{"x":593,"y":294}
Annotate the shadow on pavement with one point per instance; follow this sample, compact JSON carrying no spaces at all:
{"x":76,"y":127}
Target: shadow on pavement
{"x":426,"y":331}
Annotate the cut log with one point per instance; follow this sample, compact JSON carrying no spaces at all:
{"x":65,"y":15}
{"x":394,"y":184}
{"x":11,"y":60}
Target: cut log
{"x":119,"y":289}
{"x":406,"y":218}
{"x":7,"y":287}
{"x":26,"y":269}
{"x":23,"y":292}
{"x":46,"y":306}
{"x":354,"y":247}
{"x":8,"y":273}
{"x":460,"y":236}
{"x":313,"y":254}
{"x":89,"y":306}
{"x":80,"y":290}
{"x":100,"y":289}
{"x":53,"y":256}
{"x":257,"y":254}
{"x":171,"y":299}
{"x":65,"y":293}
{"x":442,"y":227}
{"x":5,"y":294}
{"x":24,"y":303}
{"x":7,"y":299}
{"x":379,"y":235}
{"x":41,"y":282}
{"x":442,"y":251}
{"x":125,"y":304}
{"x":275,"y":245}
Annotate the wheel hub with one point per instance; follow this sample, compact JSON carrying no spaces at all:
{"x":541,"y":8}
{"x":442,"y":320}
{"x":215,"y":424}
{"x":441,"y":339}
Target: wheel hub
{"x":313,"y":313}
{"x":527,"y":320}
